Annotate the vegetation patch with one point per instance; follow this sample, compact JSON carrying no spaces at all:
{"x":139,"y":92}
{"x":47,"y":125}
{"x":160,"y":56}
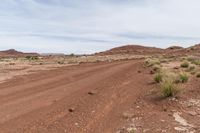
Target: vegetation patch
{"x":184,"y":77}
{"x":32,"y":57}
{"x":169,"y":88}
{"x":157,"y":68}
{"x":60,"y":62}
{"x":185,"y":65}
{"x":151,"y":62}
{"x":191,"y":68}
{"x":158,"y":78}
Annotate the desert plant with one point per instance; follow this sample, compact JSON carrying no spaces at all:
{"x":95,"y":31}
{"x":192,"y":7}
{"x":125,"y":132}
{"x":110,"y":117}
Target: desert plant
{"x":185,"y":65}
{"x":196,"y":62}
{"x":32,"y":57}
{"x":132,"y":131}
{"x":60,"y":62}
{"x":151,"y":62}
{"x":191,"y":68}
{"x":158,"y":77}
{"x":183,"y":77}
{"x":193,"y":72}
{"x":169,"y":88}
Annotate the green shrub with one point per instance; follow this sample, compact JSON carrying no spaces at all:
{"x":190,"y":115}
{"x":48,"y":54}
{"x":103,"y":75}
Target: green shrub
{"x":184,"y":77}
{"x":32,"y":57}
{"x":196,"y":62}
{"x":60,"y":62}
{"x":158,"y":77}
{"x":185,"y":65}
{"x":169,"y":88}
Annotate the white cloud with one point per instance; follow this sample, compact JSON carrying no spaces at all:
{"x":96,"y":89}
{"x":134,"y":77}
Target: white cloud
{"x":94,"y":25}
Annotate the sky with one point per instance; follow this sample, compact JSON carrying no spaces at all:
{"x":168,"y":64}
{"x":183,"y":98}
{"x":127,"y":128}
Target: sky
{"x":89,"y":26}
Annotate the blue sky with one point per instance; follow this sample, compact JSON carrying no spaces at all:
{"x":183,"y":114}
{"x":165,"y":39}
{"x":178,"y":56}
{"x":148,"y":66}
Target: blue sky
{"x":88,"y":26}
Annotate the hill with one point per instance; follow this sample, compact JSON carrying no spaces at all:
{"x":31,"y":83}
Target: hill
{"x":14,"y":53}
{"x":133,"y":49}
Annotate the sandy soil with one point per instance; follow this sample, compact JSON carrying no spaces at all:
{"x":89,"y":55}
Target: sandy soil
{"x":11,"y":67}
{"x":104,"y":97}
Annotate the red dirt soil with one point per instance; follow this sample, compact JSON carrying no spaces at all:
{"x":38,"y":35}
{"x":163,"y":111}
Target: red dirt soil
{"x":89,"y":98}
{"x":40,"y":102}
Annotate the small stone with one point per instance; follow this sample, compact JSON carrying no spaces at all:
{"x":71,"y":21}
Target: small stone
{"x":176,"y":67}
{"x":152,"y":72}
{"x":91,"y":92}
{"x":71,"y":110}
{"x":164,"y":108}
{"x":128,"y":115}
{"x":162,"y":120}
{"x":192,"y":113}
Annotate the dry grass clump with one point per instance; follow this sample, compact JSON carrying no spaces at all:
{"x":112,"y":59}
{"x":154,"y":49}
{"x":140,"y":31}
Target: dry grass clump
{"x":194,"y":60}
{"x":185,"y":65}
{"x":32,"y":57}
{"x":183,"y":77}
{"x":168,"y":84}
{"x":191,"y":68}
{"x":157,"y":68}
{"x":152,"y":61}
{"x":158,"y":77}
{"x":169,"y":88}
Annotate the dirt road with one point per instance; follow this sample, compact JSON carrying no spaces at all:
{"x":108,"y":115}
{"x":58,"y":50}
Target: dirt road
{"x":116,"y":97}
{"x":88,"y":98}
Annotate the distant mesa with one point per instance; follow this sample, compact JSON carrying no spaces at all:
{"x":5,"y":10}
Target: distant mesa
{"x":15,"y":53}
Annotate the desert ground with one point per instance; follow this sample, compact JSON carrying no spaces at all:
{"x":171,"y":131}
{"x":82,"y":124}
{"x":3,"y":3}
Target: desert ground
{"x":130,"y":89}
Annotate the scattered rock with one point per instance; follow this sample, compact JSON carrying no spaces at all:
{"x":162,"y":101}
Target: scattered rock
{"x":176,"y":67}
{"x":91,"y":92}
{"x":164,"y":108}
{"x":139,"y":71}
{"x":76,"y":124}
{"x":71,"y":110}
{"x":12,"y":64}
{"x":128,"y":115}
{"x":192,"y":113}
{"x":152,"y":72}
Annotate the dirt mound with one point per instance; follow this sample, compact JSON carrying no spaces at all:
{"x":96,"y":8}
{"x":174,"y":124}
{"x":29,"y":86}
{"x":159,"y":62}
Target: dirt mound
{"x":193,"y":50}
{"x":175,"y":48}
{"x":133,"y":49}
{"x":14,"y":53}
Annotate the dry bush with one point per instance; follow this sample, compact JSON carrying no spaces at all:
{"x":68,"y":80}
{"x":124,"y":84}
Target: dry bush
{"x":183,"y":77}
{"x":185,"y":65}
{"x":151,"y":62}
{"x":169,"y":88}
{"x":158,"y":77}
